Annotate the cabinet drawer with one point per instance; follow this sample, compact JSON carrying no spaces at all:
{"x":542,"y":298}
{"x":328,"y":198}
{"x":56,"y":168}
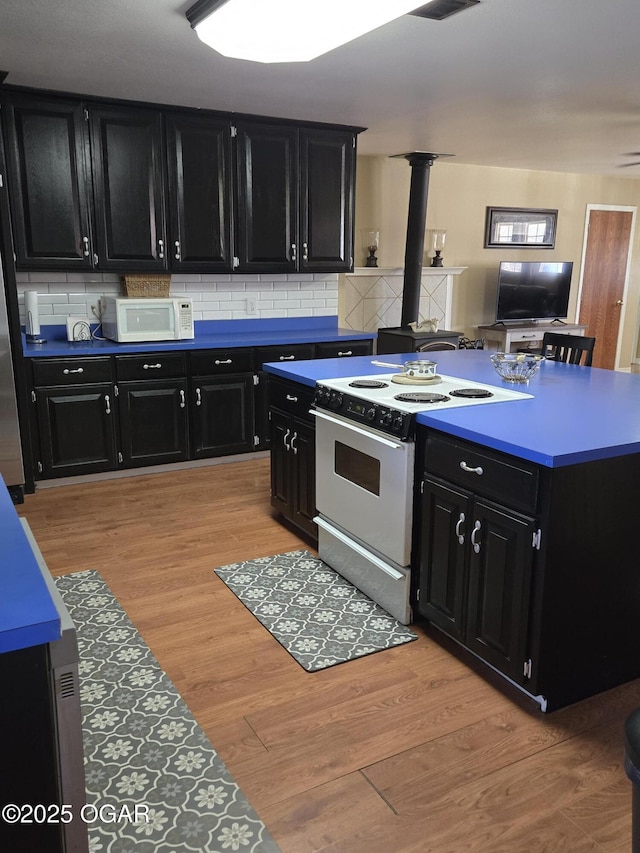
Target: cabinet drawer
{"x":342,"y":349}
{"x":216,"y":361}
{"x":153,"y":365}
{"x":291,"y":397}
{"x":293,"y":352}
{"x":495,"y":475}
{"x":70,"y":371}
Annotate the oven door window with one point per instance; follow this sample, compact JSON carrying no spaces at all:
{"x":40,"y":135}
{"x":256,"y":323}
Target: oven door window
{"x":357,"y":467}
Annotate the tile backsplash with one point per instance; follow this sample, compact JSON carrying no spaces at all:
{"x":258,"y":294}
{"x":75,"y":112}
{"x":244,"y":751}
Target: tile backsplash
{"x":215,"y":297}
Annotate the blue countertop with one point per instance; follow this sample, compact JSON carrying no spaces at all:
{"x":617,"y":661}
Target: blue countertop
{"x":577,"y":414}
{"x":28,"y":616}
{"x":210,"y":334}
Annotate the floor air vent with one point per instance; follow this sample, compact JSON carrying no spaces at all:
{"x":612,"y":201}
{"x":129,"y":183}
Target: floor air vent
{"x":441,"y":9}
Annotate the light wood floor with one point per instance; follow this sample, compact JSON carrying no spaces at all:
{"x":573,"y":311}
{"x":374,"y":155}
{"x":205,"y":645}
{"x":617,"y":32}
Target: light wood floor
{"x":405,"y":750}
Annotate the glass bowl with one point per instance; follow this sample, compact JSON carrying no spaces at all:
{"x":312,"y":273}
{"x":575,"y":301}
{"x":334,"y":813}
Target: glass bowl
{"x":516,"y":366}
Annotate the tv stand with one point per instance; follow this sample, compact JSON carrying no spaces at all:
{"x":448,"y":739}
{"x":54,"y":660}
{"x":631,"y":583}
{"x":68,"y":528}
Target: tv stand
{"x":508,"y":338}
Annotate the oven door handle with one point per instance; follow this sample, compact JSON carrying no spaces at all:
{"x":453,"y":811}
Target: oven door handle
{"x":373,"y":436}
{"x":389,"y":570}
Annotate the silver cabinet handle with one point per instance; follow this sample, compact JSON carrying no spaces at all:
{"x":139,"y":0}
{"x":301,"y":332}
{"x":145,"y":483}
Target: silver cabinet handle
{"x":177,"y":252}
{"x":291,"y":398}
{"x":461,"y":521}
{"x":476,"y":529}
{"x":151,"y":366}
{"x":85,"y":251}
{"x":287,"y":358}
{"x":348,"y":352}
{"x":107,"y":403}
{"x":224,"y":361}
{"x":284,"y":440}
{"x":305,"y":252}
{"x":67,"y":371}
{"x":294,"y":252}
{"x":161,"y":248}
{"x":182,"y":400}
{"x":294,"y":438}
{"x":479,"y":470}
{"x":198,"y":397}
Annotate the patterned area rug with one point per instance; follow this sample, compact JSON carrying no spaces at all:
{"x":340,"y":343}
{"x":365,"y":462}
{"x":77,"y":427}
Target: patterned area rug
{"x":143,"y":747}
{"x":317,"y":615}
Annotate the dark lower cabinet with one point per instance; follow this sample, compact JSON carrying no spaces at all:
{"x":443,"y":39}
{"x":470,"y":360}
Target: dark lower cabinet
{"x":77,"y":428}
{"x":293,"y":463}
{"x":475,"y":569}
{"x":153,"y":422}
{"x":223,"y":416}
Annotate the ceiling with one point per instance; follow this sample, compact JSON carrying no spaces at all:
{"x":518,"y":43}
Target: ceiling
{"x":528,"y":84}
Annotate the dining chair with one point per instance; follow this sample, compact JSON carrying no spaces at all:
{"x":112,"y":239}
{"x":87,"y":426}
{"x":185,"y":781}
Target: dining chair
{"x":568,"y":348}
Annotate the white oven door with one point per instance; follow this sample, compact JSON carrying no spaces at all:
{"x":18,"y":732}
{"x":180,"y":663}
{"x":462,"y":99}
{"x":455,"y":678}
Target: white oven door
{"x":364,"y":484}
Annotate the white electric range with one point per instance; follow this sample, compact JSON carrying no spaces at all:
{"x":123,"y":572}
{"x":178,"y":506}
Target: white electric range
{"x":365,"y":455}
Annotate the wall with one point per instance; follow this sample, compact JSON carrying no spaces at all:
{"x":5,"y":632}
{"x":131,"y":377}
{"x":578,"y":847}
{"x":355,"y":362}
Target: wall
{"x":215,"y":297}
{"x":458,"y":198}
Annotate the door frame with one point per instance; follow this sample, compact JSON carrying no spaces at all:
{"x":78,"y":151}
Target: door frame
{"x":627,"y":275}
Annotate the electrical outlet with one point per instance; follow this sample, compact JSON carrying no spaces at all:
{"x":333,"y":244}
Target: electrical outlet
{"x":251,"y":305}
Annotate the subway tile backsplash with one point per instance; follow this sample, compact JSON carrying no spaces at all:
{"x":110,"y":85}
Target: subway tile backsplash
{"x":215,"y":297}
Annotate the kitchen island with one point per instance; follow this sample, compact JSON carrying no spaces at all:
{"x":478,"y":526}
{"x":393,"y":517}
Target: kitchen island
{"x":531,"y":565}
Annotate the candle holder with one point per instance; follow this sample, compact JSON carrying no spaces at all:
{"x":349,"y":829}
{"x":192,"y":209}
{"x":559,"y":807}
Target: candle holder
{"x":436,"y":241}
{"x":373,"y":242}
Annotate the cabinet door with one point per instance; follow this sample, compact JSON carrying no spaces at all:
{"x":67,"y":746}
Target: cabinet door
{"x":49,"y":189}
{"x":280,"y":465}
{"x":327,"y":161}
{"x":77,"y":430}
{"x":267,"y":214}
{"x":153,"y":422}
{"x":126,"y":150}
{"x":501,"y":559}
{"x":302,"y":455}
{"x":445,"y":527}
{"x":222,"y":415}
{"x":199,"y":173}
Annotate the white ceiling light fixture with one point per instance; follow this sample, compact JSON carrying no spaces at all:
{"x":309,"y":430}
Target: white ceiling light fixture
{"x":288,"y":30}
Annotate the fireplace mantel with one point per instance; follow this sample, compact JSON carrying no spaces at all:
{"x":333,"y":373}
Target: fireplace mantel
{"x":371,"y":297}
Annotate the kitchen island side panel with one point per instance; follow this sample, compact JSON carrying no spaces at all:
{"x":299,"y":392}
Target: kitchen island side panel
{"x":586,"y":587}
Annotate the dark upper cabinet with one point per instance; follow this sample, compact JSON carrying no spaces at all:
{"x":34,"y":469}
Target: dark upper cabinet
{"x":327,"y":162}
{"x":49,"y":186}
{"x":295,"y":199}
{"x":267,"y":186}
{"x":126,"y":155}
{"x":200,"y":197}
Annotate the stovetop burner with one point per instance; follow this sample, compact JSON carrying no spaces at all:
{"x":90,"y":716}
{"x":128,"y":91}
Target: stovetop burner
{"x":367,"y":383}
{"x":471,"y":393}
{"x":421,"y":397}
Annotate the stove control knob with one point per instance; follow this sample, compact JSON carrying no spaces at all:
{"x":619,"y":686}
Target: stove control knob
{"x":386,"y":419}
{"x":371,"y":414}
{"x":336,"y":400}
{"x":398,"y":422}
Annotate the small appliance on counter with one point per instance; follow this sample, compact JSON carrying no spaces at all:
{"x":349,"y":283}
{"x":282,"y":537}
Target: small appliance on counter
{"x":138,"y":320}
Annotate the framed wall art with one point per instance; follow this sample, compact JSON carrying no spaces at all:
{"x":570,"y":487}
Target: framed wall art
{"x":520,"y":227}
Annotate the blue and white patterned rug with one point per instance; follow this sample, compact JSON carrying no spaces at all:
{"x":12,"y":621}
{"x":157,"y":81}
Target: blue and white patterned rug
{"x":313,"y":612}
{"x":143,"y":747}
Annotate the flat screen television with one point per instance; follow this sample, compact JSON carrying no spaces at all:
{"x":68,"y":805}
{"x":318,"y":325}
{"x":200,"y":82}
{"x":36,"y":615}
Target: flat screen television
{"x":532,"y":290}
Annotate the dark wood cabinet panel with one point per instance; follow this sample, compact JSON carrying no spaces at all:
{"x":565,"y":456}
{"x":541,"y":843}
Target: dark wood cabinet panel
{"x":153,"y":422}
{"x":303,"y":475}
{"x":327,"y":163}
{"x":200,"y":205}
{"x":76,"y":427}
{"x":267,"y":186}
{"x":48,"y":183}
{"x":223,"y":415}
{"x":126,"y":151}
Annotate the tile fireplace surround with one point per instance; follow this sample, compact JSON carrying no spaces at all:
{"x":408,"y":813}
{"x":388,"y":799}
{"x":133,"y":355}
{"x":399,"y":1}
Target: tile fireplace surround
{"x":371,"y":297}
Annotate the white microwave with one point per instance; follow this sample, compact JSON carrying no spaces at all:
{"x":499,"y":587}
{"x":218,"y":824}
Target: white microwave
{"x":131,"y":320}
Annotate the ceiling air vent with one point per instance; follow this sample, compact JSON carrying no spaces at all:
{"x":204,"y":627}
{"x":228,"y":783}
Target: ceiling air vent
{"x":441,"y":9}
